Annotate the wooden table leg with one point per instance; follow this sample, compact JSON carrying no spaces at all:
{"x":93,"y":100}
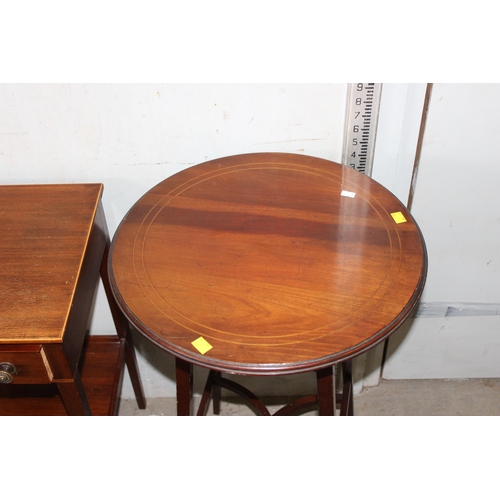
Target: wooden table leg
{"x":347,"y":407}
{"x":216,"y":395}
{"x":121,"y":324}
{"x":74,"y":396}
{"x":184,"y":383}
{"x":68,"y":381}
{"x":325,"y":379}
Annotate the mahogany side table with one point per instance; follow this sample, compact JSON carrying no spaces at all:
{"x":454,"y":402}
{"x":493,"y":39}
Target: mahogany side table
{"x":54,"y":247}
{"x":267,"y":264}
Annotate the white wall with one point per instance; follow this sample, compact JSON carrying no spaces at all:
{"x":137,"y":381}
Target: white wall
{"x":456,"y":333}
{"x":132,"y":136}
{"x":398,"y":130}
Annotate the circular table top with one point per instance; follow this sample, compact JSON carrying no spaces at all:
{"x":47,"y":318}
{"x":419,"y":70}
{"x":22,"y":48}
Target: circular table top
{"x":267,"y":263}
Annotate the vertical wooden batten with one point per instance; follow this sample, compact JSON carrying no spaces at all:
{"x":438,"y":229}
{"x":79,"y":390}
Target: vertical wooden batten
{"x":414,"y":176}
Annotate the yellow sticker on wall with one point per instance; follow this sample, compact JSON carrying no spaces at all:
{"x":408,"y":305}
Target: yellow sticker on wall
{"x":201,"y":345}
{"x":398,"y":217}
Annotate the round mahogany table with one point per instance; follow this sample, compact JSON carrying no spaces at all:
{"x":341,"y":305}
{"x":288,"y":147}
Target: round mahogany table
{"x":267,"y":264}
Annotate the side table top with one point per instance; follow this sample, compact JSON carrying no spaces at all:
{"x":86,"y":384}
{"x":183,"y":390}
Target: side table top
{"x":44,"y":234}
{"x":280,"y":263}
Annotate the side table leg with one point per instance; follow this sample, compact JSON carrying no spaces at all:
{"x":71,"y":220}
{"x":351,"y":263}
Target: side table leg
{"x":216,"y":394}
{"x":68,"y":381}
{"x":123,"y":331}
{"x":74,"y":397}
{"x":347,"y":407}
{"x":184,"y":383}
{"x":325,"y":379}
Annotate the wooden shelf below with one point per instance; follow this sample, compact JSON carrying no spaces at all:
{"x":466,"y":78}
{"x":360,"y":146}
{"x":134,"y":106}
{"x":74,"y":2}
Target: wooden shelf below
{"x":101,"y":368}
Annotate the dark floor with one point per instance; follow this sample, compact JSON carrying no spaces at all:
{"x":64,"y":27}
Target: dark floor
{"x":473,"y":397}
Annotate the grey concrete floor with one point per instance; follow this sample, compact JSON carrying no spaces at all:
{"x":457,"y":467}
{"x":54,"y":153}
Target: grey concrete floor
{"x":472,"y":397}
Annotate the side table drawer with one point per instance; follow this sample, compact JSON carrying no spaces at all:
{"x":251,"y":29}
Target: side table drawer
{"x":23,"y":365}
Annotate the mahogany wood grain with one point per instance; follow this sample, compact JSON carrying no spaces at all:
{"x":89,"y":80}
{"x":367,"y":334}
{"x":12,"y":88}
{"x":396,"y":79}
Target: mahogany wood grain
{"x":262,"y":256}
{"x":53,"y":250}
{"x":45,"y":230}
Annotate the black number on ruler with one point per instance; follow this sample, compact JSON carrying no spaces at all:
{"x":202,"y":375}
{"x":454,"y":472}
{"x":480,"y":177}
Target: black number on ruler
{"x":362,"y":114}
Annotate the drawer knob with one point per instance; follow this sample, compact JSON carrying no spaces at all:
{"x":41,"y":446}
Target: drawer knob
{"x":6,"y":371}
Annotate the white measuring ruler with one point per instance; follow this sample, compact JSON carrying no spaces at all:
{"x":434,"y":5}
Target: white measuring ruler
{"x":363,"y":101}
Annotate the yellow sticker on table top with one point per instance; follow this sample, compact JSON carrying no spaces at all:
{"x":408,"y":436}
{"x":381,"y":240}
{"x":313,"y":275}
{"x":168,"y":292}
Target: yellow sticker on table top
{"x":201,"y":345}
{"x":398,"y":217}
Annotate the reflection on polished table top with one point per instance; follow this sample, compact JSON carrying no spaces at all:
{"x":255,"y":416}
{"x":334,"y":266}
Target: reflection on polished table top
{"x":276,"y":263}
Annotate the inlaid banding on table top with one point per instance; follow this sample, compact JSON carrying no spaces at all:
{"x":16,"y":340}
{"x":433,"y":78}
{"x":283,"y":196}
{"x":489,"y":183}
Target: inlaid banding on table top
{"x":256,"y":293}
{"x":265,"y":254}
